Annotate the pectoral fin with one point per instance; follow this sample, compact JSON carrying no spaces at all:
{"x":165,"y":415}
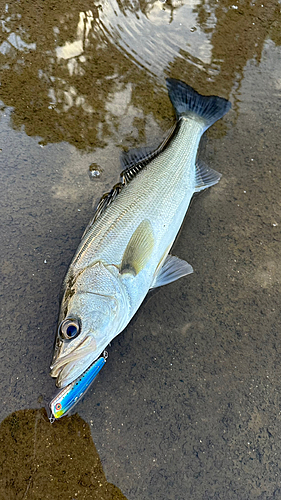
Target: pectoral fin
{"x":138,"y":250}
{"x":172,"y":269}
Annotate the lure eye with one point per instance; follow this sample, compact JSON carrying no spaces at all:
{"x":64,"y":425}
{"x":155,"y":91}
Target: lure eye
{"x":58,"y":406}
{"x":69,"y":329}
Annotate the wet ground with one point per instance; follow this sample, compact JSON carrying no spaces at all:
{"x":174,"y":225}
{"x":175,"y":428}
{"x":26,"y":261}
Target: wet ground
{"x":189,"y":403}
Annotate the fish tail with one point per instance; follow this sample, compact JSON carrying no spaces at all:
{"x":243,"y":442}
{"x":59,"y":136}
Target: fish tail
{"x":187,"y":101}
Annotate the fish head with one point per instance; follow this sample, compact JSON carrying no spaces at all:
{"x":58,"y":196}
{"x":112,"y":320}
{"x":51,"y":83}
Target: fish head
{"x":90,"y":317}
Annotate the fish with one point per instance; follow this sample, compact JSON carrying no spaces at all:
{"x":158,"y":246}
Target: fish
{"x":125,"y":250}
{"x":64,"y":402}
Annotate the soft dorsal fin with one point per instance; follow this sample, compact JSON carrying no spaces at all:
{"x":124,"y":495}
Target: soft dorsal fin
{"x":129,"y":159}
{"x":136,"y":159}
{"x":205,"y":176}
{"x":132,"y":162}
{"x":138,"y":250}
{"x":172,"y":269}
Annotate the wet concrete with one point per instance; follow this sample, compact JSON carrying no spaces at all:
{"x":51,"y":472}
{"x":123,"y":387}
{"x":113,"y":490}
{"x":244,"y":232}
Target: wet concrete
{"x":188,"y":405}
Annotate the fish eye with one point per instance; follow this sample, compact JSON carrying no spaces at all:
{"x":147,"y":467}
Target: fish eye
{"x":69,"y":329}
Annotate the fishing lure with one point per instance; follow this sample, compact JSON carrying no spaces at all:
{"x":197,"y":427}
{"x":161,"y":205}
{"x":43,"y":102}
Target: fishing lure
{"x":70,"y":395}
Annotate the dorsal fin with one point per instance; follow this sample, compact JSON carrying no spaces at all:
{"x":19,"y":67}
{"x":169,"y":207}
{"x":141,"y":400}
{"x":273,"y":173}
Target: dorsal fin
{"x":105,"y":201}
{"x":133,"y":161}
{"x":134,"y":156}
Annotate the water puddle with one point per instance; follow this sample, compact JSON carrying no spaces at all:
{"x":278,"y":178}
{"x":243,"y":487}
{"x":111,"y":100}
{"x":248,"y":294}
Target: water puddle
{"x":50,"y":461}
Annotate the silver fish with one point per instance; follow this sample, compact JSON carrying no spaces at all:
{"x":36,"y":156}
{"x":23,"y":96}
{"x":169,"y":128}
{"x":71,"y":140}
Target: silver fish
{"x":124,"y":252}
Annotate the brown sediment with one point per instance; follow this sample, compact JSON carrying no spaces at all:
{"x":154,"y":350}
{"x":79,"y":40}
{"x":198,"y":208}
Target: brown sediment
{"x":44,"y":461}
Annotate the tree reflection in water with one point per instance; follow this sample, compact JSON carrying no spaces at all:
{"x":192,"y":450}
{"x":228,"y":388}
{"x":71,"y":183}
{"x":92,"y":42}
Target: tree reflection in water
{"x":62,"y":64}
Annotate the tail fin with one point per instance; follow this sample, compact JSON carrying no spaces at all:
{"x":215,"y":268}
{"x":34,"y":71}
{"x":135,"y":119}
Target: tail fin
{"x":187,"y":101}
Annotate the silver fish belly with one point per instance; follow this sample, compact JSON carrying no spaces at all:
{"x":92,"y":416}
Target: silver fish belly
{"x":125,"y":250}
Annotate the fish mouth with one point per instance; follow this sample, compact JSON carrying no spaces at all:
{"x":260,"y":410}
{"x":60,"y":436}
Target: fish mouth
{"x":70,"y":366}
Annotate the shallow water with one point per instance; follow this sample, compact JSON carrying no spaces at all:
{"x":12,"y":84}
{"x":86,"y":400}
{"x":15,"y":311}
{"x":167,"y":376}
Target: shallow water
{"x":188,"y":404}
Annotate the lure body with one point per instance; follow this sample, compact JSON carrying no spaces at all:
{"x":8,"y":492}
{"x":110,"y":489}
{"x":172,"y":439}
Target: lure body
{"x":70,"y":395}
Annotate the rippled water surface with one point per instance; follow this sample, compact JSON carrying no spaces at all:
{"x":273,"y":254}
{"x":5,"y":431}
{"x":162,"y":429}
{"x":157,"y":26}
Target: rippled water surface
{"x":188,"y":405}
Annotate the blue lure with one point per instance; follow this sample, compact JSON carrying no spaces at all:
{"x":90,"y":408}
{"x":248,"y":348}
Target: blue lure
{"x":70,"y":395}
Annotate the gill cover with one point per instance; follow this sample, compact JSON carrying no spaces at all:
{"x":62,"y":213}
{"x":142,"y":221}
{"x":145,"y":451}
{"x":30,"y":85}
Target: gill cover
{"x":95,"y":304}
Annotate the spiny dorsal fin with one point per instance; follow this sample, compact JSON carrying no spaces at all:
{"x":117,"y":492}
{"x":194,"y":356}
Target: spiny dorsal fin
{"x":105,"y":201}
{"x":138,"y":250}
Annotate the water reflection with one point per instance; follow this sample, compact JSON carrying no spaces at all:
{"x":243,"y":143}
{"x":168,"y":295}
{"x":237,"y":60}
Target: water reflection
{"x":39,"y":460}
{"x":62,"y":67}
{"x":153,"y":34}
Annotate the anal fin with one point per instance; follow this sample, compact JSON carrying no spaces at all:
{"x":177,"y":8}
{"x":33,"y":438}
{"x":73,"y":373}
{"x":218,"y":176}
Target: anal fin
{"x":172,"y":269}
{"x":205,"y":176}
